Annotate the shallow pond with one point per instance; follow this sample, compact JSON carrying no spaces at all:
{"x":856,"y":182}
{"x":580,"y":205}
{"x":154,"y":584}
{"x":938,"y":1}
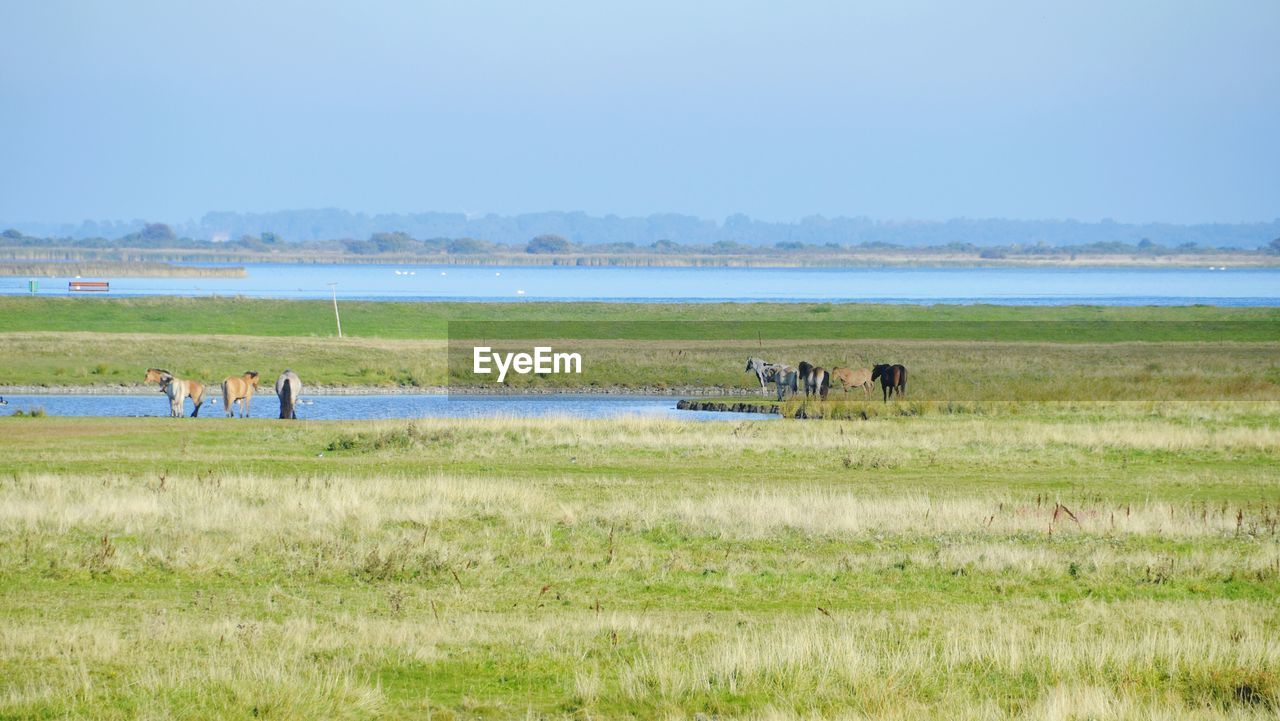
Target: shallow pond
{"x":357,"y":407}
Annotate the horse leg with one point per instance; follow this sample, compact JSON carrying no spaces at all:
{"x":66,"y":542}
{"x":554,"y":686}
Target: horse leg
{"x":245,"y":407}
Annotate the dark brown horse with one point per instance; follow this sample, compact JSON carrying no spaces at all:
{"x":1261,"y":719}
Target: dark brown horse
{"x":893,"y":378}
{"x":805,"y":368}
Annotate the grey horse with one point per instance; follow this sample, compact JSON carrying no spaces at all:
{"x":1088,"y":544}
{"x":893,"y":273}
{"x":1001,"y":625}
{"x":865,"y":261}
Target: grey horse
{"x":288,"y":387}
{"x":786,"y":378}
{"x":760,"y":368}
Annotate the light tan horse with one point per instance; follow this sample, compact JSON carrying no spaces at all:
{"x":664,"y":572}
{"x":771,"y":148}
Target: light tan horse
{"x":177,"y":390}
{"x":239,"y":389}
{"x":853,"y":377}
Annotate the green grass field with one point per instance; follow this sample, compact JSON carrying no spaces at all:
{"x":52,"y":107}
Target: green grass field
{"x":1114,"y":561}
{"x":429,"y":321}
{"x":971,"y":552}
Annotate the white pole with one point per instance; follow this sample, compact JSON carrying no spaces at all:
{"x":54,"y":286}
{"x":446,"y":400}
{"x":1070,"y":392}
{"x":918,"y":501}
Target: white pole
{"x":334,"y":287}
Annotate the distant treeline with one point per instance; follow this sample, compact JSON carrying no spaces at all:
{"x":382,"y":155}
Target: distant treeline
{"x":161,"y":236}
{"x":158,"y":242}
{"x":685,"y":230}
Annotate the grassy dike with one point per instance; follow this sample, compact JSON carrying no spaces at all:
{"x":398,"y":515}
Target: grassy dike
{"x":1116,"y":561}
{"x":955,"y":352}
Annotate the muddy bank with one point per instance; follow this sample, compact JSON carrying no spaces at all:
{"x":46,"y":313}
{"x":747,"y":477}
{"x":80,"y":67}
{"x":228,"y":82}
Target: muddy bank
{"x":721,"y":406}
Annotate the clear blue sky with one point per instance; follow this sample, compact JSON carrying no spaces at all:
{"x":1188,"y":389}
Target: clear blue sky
{"x":1137,"y":110}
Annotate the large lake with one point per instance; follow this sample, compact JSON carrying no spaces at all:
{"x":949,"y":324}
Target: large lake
{"x":1015,"y":286}
{"x":381,"y":406}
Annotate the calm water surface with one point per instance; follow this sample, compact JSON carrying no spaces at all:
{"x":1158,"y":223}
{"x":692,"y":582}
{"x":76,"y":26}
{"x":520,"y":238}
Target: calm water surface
{"x":1015,"y":286}
{"x":383,"y":406}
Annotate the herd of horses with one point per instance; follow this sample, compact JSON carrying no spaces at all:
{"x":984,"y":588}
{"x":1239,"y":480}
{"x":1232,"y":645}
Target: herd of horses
{"x":818,"y":380}
{"x":235,"y":389}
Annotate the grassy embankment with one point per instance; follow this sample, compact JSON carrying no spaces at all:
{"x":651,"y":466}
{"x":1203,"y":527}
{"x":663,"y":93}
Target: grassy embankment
{"x":954,"y":353}
{"x":116,"y":269}
{"x":897,"y":568}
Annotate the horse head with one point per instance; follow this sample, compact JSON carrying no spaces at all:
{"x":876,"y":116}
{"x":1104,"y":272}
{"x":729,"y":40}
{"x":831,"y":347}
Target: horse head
{"x":157,"y":375}
{"x":252,"y":378}
{"x":879,"y":370}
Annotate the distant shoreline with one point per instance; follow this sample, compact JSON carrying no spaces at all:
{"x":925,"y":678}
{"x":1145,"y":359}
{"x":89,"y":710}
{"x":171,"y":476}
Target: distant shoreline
{"x":156,"y":262}
{"x":115,"y":269}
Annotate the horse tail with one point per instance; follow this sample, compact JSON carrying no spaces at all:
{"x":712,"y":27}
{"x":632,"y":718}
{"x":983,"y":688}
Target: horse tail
{"x":226,"y":396}
{"x":286,"y":400}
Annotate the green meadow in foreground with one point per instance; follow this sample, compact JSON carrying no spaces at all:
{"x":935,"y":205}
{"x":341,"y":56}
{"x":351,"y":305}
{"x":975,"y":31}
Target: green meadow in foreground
{"x":1070,"y":561}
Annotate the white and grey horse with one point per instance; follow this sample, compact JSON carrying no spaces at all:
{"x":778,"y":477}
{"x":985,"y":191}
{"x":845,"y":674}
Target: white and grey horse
{"x":288,"y":386}
{"x":760,"y":368}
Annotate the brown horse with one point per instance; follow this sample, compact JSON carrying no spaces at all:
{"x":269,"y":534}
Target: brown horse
{"x":817,"y":382}
{"x":177,"y":390}
{"x":239,"y":389}
{"x":805,"y":368}
{"x":893,"y":378}
{"x":852,"y":378}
